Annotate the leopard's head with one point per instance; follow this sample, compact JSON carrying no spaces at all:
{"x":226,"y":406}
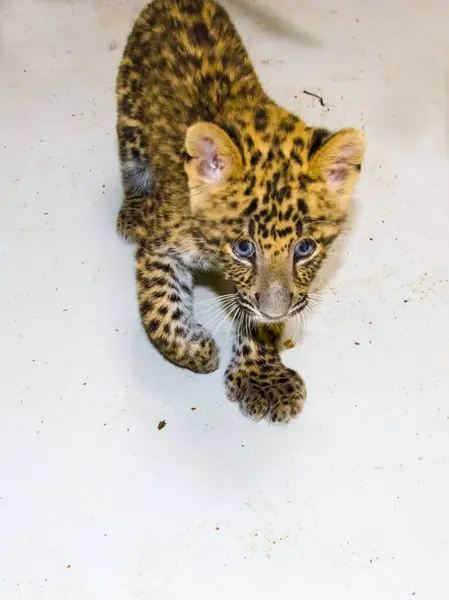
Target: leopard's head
{"x":269,"y":196}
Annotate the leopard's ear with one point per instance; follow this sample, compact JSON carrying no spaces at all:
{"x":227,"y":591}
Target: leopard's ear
{"x":338,"y":160}
{"x":212,"y":159}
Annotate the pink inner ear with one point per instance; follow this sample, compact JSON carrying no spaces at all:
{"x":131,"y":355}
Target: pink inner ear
{"x":346,"y":152}
{"x":338,"y":174}
{"x":343,"y":160}
{"x":211,"y":169}
{"x":211,"y":165}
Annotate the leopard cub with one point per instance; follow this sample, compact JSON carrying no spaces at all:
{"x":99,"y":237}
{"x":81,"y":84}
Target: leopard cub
{"x":216,"y":174}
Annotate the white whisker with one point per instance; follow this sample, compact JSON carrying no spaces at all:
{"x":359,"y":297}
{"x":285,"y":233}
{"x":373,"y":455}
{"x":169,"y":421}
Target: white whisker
{"x":215,"y":299}
{"x":218,"y":296}
{"x":294,"y":322}
{"x":219,"y":310}
{"x":218,"y":305}
{"x":219,"y":324}
{"x":240,"y":325}
{"x":234,"y":313}
{"x":212,"y":320}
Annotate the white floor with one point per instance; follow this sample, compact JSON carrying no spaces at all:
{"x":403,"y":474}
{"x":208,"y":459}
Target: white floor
{"x":350,"y":501}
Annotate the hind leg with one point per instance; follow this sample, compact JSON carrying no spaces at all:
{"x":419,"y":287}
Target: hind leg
{"x":134,"y":214}
{"x":137,"y":206}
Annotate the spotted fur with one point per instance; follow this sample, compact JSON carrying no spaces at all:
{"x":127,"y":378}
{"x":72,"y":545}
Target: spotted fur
{"x":208,"y":160}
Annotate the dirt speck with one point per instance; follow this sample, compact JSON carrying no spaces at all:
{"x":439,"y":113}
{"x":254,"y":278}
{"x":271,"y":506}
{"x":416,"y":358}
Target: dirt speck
{"x":161,"y":425}
{"x":193,"y":409}
{"x":317,"y":96}
{"x":68,"y":566}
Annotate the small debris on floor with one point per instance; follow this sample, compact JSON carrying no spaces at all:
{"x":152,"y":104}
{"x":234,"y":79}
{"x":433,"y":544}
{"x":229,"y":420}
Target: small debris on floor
{"x":289,"y":344}
{"x":161,"y":425}
{"x":320,"y":98}
{"x":193,"y":409}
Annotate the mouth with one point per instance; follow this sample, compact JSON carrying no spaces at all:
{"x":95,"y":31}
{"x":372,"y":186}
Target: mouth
{"x":259,"y":317}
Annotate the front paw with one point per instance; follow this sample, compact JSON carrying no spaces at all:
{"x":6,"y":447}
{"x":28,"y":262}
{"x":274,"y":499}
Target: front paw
{"x":203,"y":354}
{"x":197,"y":352}
{"x":271,"y":391}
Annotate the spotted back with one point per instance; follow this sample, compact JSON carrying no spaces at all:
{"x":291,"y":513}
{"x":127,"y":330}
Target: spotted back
{"x":265,"y":195}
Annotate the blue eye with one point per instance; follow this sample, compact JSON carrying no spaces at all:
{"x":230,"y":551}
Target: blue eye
{"x":244,"y":249}
{"x":304,"y":249}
